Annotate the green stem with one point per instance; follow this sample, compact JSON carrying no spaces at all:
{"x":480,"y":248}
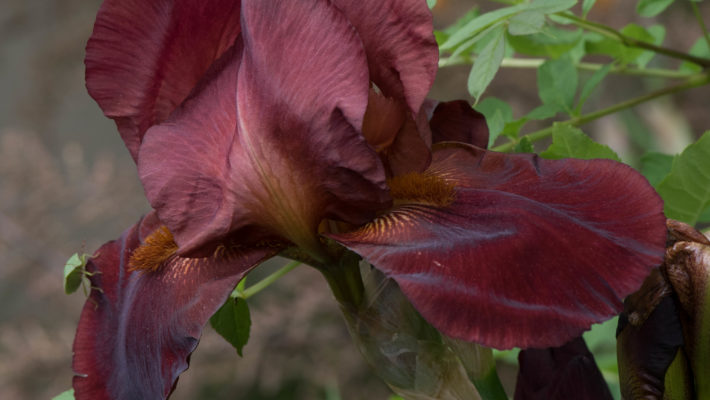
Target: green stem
{"x":629,"y":41}
{"x":699,"y":17}
{"x":345,"y":280}
{"x":264,"y":283}
{"x":700,"y":80}
{"x":511,"y":62}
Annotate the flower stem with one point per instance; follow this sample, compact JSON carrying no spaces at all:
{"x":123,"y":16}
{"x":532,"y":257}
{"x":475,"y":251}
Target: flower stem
{"x":695,"y":81}
{"x":264,"y":283}
{"x":345,"y":280}
{"x":512,"y":62}
{"x":629,"y":41}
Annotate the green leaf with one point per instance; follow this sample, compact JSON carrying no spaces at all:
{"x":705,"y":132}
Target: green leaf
{"x":586,"y":6}
{"x":68,"y":395}
{"x":557,"y":83}
{"x":551,"y":6}
{"x":526,"y":23}
{"x":651,"y":8}
{"x":686,"y":190}
{"x":657,"y":34}
{"x":512,"y":128}
{"x":570,"y":142}
{"x":705,"y":216}
{"x":431,"y":3}
{"x":525,"y":145}
{"x":233,"y":322}
{"x":551,"y":42}
{"x":544,"y":111}
{"x":497,"y":113}
{"x":443,"y":35}
{"x":74,"y":272}
{"x":487,"y":64}
{"x":478,"y":24}
{"x":656,"y":166}
{"x":591,"y":84}
{"x":699,"y":49}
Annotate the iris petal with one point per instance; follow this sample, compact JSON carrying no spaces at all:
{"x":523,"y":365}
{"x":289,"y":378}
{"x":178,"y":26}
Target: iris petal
{"x":138,"y":329}
{"x":530,"y":252}
{"x":144,"y":57}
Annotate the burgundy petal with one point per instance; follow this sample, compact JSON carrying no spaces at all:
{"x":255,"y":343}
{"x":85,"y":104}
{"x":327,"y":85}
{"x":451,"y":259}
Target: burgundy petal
{"x":289,"y":152}
{"x":457,"y":121}
{"x":144,"y":57}
{"x":138,"y":328}
{"x":402,"y":54}
{"x":560,"y":373}
{"x":518,"y":251}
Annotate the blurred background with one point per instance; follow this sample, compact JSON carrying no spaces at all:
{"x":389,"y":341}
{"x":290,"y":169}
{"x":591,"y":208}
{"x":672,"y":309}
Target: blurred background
{"x":67,"y":185}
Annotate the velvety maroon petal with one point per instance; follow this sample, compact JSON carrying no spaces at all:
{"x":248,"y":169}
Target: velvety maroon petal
{"x":523,"y":251}
{"x":289,"y":152}
{"x":137,"y":328}
{"x":144,"y":57}
{"x":402,"y":54}
{"x":560,"y":373}
{"x":457,"y":121}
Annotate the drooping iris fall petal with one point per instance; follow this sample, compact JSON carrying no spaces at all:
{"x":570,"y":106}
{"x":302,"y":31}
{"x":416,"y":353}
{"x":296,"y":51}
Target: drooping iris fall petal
{"x":402,"y":54}
{"x":138,"y":328}
{"x":144,"y":57}
{"x":513,"y":250}
{"x":273,"y":139}
{"x":560,"y":373}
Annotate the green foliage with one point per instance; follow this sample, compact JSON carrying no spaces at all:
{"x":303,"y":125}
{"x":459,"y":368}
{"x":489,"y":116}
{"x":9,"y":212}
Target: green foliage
{"x":656,"y":166}
{"x":686,"y":189}
{"x":487,"y":63}
{"x":498,"y":113}
{"x":68,"y":395}
{"x":651,"y":8}
{"x":75,"y":272}
{"x":557,"y":84}
{"x":233,"y":322}
{"x":591,"y":84}
{"x":551,"y":42}
{"x":701,"y":48}
{"x":570,"y":142}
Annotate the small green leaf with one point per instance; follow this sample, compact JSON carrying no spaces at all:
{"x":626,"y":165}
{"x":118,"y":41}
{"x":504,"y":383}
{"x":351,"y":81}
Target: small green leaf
{"x":699,"y":49}
{"x":512,"y":128}
{"x":557,"y":83}
{"x":551,"y":6}
{"x":551,"y":42}
{"x":74,"y":272}
{"x":656,"y":166}
{"x":525,"y":145}
{"x":570,"y":142}
{"x":233,"y":322}
{"x":487,"y":64}
{"x":478,"y":24}
{"x":497,"y":113}
{"x":651,"y":8}
{"x":586,"y":6}
{"x":686,"y":190}
{"x":544,"y":111}
{"x":639,"y":56}
{"x":526,"y":23}
{"x":591,"y":84}
{"x":68,"y":395}
{"x":657,"y":34}
{"x":431,"y":3}
{"x":443,"y":35}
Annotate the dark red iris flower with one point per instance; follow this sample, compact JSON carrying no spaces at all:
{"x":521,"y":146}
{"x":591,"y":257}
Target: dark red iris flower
{"x":260,"y":127}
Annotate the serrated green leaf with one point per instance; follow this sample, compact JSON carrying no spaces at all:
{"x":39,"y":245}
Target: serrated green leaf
{"x":497,"y":113}
{"x":526,"y":23}
{"x":656,"y":166}
{"x":487,"y":64}
{"x":571,"y":142}
{"x":233,"y":322}
{"x":686,"y":190}
{"x":544,"y":111}
{"x":551,"y":42}
{"x":586,"y":6}
{"x":68,"y":395}
{"x":557,"y":83}
{"x":525,"y":145}
{"x":591,"y":84}
{"x":551,"y":6}
{"x":699,"y":49}
{"x":651,"y":8}
{"x":74,"y":272}
{"x":480,"y":23}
